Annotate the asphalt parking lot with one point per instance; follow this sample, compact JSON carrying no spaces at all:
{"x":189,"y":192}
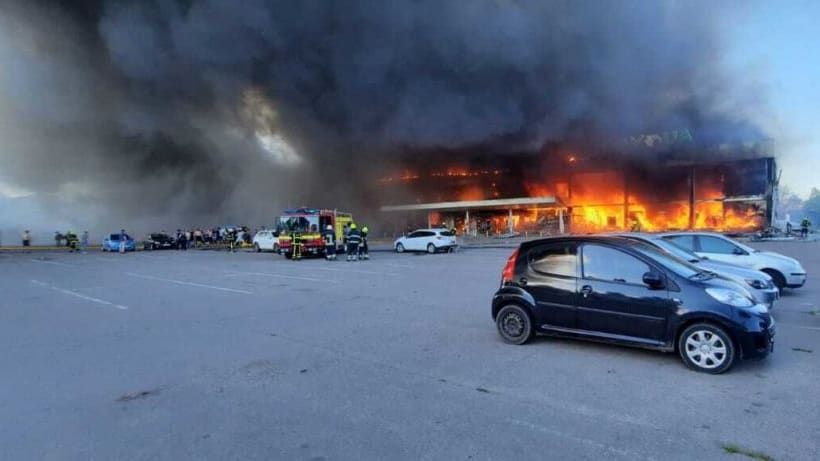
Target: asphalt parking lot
{"x":214,"y":355}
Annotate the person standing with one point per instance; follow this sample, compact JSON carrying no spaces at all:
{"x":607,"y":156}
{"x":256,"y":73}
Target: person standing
{"x":364,"y":253}
{"x":329,"y":237}
{"x":805,"y":224}
{"x":26,"y":238}
{"x":354,"y":238}
{"x":123,"y":238}
{"x":84,"y":242}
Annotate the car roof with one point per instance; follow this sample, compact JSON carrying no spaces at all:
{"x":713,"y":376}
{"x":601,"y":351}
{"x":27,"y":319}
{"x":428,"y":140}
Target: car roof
{"x":592,"y":238}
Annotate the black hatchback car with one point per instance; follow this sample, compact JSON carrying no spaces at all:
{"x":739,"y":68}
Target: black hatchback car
{"x":617,"y":290}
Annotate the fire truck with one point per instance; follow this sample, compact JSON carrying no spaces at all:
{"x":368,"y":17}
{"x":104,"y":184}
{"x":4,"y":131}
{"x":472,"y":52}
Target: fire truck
{"x":306,"y":226}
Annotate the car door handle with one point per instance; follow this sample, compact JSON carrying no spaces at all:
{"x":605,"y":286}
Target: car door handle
{"x":523,"y":281}
{"x":586,"y":290}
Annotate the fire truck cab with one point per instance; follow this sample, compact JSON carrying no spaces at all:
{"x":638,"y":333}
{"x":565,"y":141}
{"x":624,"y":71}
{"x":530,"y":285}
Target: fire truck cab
{"x":307,"y":225}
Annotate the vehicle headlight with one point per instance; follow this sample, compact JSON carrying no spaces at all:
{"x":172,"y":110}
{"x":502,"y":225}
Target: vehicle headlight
{"x":730,"y":297}
{"x":757,"y":284}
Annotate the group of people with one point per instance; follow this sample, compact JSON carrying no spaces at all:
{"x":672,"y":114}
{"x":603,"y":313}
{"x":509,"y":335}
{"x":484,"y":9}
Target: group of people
{"x":355,"y":242}
{"x":194,"y":238}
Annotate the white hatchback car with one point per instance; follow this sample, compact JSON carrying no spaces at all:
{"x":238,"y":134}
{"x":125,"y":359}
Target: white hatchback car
{"x":266,"y":240}
{"x":786,"y":272}
{"x":429,"y":240}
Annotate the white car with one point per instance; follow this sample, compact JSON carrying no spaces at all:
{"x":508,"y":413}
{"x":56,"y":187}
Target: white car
{"x":429,"y":240}
{"x":266,"y":240}
{"x":786,"y":272}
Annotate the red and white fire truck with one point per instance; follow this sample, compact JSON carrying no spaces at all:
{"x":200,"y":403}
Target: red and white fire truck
{"x":306,"y":226}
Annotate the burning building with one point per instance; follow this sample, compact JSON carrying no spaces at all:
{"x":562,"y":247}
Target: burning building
{"x":646,"y":183}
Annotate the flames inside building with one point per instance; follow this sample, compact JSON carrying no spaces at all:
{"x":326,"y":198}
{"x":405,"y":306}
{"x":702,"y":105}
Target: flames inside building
{"x":562,"y":190}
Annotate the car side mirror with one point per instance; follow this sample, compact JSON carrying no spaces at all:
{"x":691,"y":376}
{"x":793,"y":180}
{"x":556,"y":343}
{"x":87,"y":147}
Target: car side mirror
{"x":653,"y":280}
{"x":738,"y":251}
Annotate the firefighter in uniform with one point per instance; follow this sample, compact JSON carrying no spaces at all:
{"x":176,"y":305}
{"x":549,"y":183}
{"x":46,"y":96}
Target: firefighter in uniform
{"x":329,"y":237}
{"x":296,"y":242}
{"x":354,"y":238}
{"x":363,"y":250}
{"x":805,"y":224}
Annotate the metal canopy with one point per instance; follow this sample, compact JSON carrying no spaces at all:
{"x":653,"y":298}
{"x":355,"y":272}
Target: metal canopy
{"x":501,"y":204}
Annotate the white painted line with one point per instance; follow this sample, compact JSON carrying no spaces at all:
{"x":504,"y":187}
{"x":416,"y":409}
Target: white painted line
{"x":268,"y":274}
{"x":190,"y":284}
{"x":352,"y":270}
{"x":78,"y":295}
{"x":406,"y":266}
{"x":43,"y":261}
{"x":781,"y":324}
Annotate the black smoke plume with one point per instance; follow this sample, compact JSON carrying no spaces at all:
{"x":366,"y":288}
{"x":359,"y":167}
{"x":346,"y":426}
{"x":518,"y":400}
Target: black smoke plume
{"x":164,"y":113}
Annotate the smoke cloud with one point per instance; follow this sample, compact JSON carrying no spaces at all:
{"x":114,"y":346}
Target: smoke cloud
{"x":162,"y":113}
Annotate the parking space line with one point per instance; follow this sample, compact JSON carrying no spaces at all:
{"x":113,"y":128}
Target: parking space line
{"x":191,"y":284}
{"x":78,"y":295}
{"x":42,"y":261}
{"x":268,"y":274}
{"x":803,"y":327}
{"x":352,"y":270}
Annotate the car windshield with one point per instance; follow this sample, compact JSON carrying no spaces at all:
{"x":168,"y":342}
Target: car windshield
{"x":114,"y":237}
{"x":673,"y":263}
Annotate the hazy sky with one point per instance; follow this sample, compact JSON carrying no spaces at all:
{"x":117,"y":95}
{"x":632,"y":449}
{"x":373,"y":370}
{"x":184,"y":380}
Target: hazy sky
{"x":779,"y":41}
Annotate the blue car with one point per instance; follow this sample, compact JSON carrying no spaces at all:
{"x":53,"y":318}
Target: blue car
{"x":112,"y":243}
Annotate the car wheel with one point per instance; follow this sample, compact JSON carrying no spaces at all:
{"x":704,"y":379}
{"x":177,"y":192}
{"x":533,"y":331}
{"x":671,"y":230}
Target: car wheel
{"x":777,"y":278}
{"x":431,"y":248}
{"x":256,"y":248}
{"x":707,"y":348}
{"x":514,"y":325}
{"x":288,"y":255}
{"x":399,"y":248}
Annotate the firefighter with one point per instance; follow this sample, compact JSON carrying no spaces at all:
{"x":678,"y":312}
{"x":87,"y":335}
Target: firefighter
{"x":805,"y":224}
{"x":296,"y":243}
{"x":330,"y":243}
{"x":354,"y":238}
{"x":363,"y":250}
{"x":636,"y":226}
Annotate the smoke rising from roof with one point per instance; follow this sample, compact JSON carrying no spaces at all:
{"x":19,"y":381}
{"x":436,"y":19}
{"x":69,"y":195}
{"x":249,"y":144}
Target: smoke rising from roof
{"x":164,"y":113}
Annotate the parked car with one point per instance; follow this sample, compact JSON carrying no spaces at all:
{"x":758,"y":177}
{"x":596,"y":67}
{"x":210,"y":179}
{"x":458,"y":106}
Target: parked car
{"x":760,"y":284}
{"x":429,"y":240}
{"x":266,"y":240}
{"x":622,"y":291}
{"x":786,"y":272}
{"x":112,"y":243}
{"x":159,"y":241}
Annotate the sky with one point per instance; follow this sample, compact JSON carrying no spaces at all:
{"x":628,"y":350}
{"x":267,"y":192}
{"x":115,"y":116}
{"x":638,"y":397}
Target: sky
{"x":778,"y":41}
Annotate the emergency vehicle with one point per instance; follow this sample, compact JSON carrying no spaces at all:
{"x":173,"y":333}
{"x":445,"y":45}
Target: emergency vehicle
{"x":307,"y":225}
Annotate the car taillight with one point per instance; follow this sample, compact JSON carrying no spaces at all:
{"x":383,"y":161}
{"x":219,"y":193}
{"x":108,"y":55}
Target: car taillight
{"x":509,"y":268}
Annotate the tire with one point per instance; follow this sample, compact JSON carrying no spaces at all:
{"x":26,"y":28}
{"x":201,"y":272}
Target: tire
{"x":399,"y":248}
{"x":777,"y":278}
{"x":256,"y":248}
{"x":707,"y":348}
{"x":514,"y":325}
{"x":288,"y":255}
{"x":431,"y":248}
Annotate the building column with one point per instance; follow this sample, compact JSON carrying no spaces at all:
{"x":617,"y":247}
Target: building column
{"x":429,"y":220}
{"x":692,"y":198}
{"x":510,"y":222}
{"x":466,"y":222}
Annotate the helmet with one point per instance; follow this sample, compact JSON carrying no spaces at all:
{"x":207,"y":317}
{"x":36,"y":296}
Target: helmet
{"x":329,"y":227}
{"x":352,"y":225}
{"x":364,"y":229}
